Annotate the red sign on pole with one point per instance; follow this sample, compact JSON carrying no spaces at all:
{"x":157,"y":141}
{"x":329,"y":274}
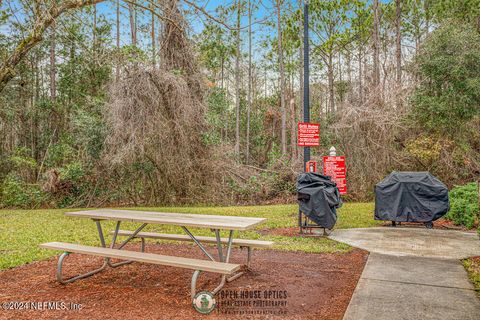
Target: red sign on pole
{"x":308,"y":134}
{"x":335,"y":168}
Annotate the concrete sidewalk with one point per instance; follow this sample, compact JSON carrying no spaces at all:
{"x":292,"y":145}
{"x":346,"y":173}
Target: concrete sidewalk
{"x":402,"y":241}
{"x":421,"y":277}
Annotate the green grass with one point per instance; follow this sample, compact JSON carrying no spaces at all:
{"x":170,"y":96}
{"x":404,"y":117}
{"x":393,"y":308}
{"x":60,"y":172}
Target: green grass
{"x":473,"y":268}
{"x":22,"y":230}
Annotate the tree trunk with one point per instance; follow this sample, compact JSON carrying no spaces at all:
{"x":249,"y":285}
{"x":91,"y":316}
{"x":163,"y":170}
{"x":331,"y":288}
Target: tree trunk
{"x":94,"y":31}
{"x":283,"y":141}
{"x":293,"y":136}
{"x":376,"y":44}
{"x":53,"y":65}
{"x":398,"y":52}
{"x":349,"y":66}
{"x":35,"y":111}
{"x":55,"y":123}
{"x":249,"y":102}
{"x":360,"y":74}
{"x":71,"y":91}
{"x":94,"y":37}
{"x":117,"y":66}
{"x":349,"y":74}
{"x":237,"y":84}
{"x":133,"y":23}
{"x":339,"y":64}
{"x":426,"y":7}
{"x":331,"y":89}
{"x":152,"y":34}
{"x":223,"y":72}
{"x":265,"y":81}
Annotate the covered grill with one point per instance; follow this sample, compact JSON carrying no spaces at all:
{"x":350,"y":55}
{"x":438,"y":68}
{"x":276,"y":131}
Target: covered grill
{"x":318,"y":198}
{"x":411,"y":197}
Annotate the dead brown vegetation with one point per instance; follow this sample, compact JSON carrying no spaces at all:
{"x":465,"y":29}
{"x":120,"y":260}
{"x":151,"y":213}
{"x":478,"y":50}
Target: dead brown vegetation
{"x":378,"y":138}
{"x":156,"y":117}
{"x":370,"y":134}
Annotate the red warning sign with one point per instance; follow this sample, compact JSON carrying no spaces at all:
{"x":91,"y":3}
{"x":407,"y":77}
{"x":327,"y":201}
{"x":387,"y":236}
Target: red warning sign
{"x":308,"y":134}
{"x":335,"y":168}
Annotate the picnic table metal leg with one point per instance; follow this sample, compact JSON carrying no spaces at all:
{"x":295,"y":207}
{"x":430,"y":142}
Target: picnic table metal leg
{"x":198,"y":243}
{"x":222,"y":258}
{"x":115,"y":234}
{"x":219,"y":244}
{"x":133,"y":235}
{"x":193,"y":287}
{"x":229,"y":246}
{"x":102,"y":238}
{"x":64,"y":255}
{"x":114,"y":239}
{"x":106,"y":261}
{"x":60,"y":278}
{"x":220,"y":286}
{"x":100,"y":233}
{"x":196,"y":273}
{"x":226,"y":258}
{"x":229,"y":249}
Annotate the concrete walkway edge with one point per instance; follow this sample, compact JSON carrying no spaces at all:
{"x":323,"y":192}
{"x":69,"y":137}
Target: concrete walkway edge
{"x":420,"y":277}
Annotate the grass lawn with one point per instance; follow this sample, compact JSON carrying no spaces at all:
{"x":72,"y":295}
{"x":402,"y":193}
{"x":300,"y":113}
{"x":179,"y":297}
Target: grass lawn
{"x":22,"y":230}
{"x":472,"y":266}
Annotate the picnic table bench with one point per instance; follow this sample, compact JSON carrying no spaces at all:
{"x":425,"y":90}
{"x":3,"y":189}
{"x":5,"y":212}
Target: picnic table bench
{"x":229,"y":271}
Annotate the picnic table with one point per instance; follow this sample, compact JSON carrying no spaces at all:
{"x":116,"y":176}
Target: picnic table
{"x":215,"y":223}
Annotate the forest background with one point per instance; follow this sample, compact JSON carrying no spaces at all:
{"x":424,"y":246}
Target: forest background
{"x":156,"y":102}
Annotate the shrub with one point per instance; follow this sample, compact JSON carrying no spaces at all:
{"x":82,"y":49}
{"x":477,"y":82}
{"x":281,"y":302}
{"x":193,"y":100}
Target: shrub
{"x":73,"y":172}
{"x":60,"y":153}
{"x":464,"y":205}
{"x":16,"y":193}
{"x":21,"y":163}
{"x":72,"y":184}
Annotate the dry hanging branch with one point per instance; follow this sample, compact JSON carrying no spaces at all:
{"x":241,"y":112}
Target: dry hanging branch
{"x":157,"y":116}
{"x":368,"y":134}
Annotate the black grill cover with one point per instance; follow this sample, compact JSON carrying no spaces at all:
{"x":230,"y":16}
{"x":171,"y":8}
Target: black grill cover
{"x":411,"y":196}
{"x":318,"y":198}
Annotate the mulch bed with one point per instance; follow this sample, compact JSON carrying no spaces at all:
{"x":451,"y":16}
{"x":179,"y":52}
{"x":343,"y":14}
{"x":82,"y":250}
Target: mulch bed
{"x":317,"y":286}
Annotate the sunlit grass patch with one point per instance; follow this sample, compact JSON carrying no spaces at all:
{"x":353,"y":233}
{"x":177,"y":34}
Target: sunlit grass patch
{"x":21,"y":231}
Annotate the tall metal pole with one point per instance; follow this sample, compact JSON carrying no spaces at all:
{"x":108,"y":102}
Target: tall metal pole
{"x":306,"y":80}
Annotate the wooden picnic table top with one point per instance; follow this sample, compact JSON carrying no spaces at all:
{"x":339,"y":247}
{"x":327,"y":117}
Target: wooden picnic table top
{"x":178,"y":219}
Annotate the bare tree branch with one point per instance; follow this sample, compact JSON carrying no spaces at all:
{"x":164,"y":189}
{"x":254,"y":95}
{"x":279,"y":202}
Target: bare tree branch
{"x":42,"y":22}
{"x":44,"y":19}
{"x":217,"y":20}
{"x":202,"y":10}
